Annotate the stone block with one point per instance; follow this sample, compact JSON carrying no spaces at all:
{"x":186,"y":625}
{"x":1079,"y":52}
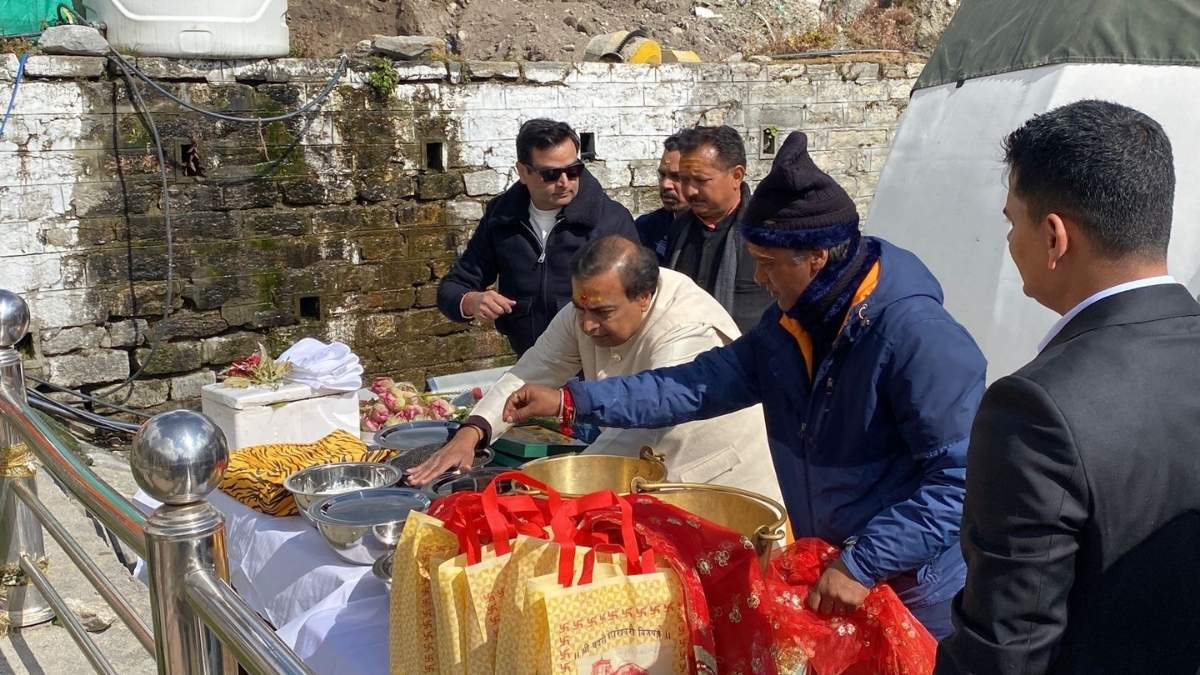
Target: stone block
{"x":611,"y":174}
{"x":858,"y":138}
{"x":188,"y":324}
{"x":143,"y":299}
{"x":667,"y":94}
{"x":128,"y":333}
{"x":421,"y":72}
{"x":313,"y":190}
{"x":65,"y":67}
{"x":439,"y":185}
{"x":545,"y":72}
{"x":714,"y":72}
{"x":588,"y":72}
{"x":256,"y":195}
{"x":913,"y":70}
{"x":785,"y":72}
{"x":748,"y":72}
{"x":419,"y":213}
{"x":169,"y":357}
{"x":63,"y":340}
{"x":892,"y":71}
{"x":796,"y":92}
{"x":409,"y":47}
{"x":674,"y":72}
{"x":493,"y":70}
{"x":429,"y":244}
{"x":487,"y":182}
{"x":645,"y":173}
{"x":228,"y":348}
{"x":256,"y":315}
{"x":73,"y":40}
{"x":859,"y":72}
{"x":188,"y":387}
{"x":426,"y":296}
{"x":93,"y":367}
{"x":144,"y":393}
{"x":464,"y":211}
{"x":822,"y":71}
{"x":880,"y":113}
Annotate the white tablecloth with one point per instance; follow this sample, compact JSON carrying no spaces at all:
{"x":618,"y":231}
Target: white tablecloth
{"x":332,"y":613}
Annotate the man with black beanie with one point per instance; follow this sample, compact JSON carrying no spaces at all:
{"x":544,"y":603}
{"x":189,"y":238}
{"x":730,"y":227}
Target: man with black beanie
{"x":868,"y":387}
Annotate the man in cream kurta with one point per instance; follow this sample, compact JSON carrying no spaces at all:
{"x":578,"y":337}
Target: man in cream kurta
{"x":678,"y":321}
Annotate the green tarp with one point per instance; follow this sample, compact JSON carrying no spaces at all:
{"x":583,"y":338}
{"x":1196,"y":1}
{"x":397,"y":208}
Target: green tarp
{"x":987,"y":37}
{"x":21,"y":17}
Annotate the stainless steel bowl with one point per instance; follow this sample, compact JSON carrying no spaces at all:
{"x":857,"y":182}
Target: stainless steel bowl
{"x":382,"y":569}
{"x":317,"y":482}
{"x":363,"y":525}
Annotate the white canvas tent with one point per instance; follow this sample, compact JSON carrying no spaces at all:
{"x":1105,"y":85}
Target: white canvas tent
{"x":998,"y":64}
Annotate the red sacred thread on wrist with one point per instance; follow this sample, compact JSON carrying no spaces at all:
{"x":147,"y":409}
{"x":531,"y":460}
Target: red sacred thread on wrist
{"x":567,"y":414}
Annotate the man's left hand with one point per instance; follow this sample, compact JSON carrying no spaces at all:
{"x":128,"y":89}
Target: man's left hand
{"x":837,"y":592}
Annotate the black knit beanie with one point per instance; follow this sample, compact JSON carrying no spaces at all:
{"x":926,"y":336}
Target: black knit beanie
{"x":797,"y":205}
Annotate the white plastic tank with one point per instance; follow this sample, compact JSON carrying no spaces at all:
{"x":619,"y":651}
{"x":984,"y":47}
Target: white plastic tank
{"x":205,"y":29}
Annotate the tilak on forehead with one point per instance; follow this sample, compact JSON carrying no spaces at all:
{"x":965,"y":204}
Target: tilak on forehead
{"x":585,"y":299}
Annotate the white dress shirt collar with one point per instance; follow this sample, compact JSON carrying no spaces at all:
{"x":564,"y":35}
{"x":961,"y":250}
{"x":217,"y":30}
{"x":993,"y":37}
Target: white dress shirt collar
{"x":1097,"y":297}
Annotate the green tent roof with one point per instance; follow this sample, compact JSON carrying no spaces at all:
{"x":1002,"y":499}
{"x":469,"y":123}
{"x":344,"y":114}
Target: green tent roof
{"x":987,"y":37}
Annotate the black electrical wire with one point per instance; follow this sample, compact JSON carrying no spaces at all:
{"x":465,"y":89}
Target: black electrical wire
{"x":41,"y":402}
{"x":128,"y":70}
{"x":86,"y":397}
{"x":315,"y":102}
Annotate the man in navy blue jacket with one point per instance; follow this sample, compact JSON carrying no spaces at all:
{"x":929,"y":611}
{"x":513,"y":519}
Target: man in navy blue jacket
{"x":868,"y":385}
{"x":527,"y":237}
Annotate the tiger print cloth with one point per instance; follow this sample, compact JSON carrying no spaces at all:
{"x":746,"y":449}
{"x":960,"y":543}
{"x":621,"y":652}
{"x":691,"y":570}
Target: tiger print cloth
{"x":255,"y":474}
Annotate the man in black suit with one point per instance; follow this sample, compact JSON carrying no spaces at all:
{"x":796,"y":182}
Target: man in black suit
{"x":1081,"y":528}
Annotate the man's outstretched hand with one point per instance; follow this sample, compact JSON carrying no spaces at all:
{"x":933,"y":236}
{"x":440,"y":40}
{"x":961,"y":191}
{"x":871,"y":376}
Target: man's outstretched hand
{"x":531,"y":400}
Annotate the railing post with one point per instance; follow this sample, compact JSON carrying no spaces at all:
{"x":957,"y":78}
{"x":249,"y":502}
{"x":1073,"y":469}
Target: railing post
{"x":20,"y":532}
{"x":178,"y":458}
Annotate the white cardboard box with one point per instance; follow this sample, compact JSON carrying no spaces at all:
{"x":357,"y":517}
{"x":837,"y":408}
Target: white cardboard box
{"x":290,"y":413}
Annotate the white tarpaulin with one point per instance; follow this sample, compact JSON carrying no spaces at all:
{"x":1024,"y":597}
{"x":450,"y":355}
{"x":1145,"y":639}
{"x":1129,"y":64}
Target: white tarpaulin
{"x":943,"y":187}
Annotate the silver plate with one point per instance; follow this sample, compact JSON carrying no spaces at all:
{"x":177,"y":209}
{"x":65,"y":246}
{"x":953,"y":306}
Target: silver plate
{"x":363,"y":525}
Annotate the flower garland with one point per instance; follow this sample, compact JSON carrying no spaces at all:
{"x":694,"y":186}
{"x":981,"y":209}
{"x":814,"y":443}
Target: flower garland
{"x":399,"y":402}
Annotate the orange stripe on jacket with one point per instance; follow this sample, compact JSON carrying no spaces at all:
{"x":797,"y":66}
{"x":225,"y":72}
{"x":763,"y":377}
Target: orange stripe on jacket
{"x":804,"y":340}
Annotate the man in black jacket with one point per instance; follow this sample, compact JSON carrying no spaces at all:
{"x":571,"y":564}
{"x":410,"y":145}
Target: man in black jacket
{"x":654,"y":228}
{"x":1081,"y":529}
{"x":704,"y":242}
{"x":527,"y":237}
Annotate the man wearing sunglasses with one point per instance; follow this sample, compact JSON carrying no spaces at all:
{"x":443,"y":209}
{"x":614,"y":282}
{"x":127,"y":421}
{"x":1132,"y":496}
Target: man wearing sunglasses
{"x":527,"y":237}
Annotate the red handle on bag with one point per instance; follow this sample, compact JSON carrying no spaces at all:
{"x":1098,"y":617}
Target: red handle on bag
{"x":639,"y":560}
{"x":504,"y":517}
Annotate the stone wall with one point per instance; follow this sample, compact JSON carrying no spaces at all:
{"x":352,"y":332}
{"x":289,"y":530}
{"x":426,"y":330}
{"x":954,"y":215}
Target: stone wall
{"x":347,"y":236}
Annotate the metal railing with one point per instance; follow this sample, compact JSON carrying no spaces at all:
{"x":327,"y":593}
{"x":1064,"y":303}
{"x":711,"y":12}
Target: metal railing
{"x":200,"y":625}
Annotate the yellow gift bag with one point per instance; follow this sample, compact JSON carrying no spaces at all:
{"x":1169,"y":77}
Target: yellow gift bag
{"x":596,"y":619}
{"x":615,"y":623}
{"x":423,"y":544}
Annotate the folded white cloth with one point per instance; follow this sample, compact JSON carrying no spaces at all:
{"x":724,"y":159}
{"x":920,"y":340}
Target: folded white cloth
{"x":331,"y":367}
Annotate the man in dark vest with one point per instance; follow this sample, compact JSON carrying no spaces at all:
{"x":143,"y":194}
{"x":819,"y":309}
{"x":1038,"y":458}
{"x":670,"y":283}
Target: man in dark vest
{"x":705,"y":243}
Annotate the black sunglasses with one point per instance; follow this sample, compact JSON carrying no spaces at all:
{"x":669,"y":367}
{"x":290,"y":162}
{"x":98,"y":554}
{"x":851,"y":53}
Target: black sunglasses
{"x":573,"y":171}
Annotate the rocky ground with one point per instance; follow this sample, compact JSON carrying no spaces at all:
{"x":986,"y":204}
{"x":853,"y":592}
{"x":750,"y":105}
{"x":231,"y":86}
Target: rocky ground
{"x":559,"y":30}
{"x":48,"y":649}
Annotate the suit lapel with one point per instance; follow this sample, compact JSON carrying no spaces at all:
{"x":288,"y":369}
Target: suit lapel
{"x":1139,"y":305}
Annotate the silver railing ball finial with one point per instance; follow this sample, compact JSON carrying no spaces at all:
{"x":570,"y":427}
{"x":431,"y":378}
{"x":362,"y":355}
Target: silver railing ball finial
{"x":179,"y":457}
{"x":14,"y":318}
